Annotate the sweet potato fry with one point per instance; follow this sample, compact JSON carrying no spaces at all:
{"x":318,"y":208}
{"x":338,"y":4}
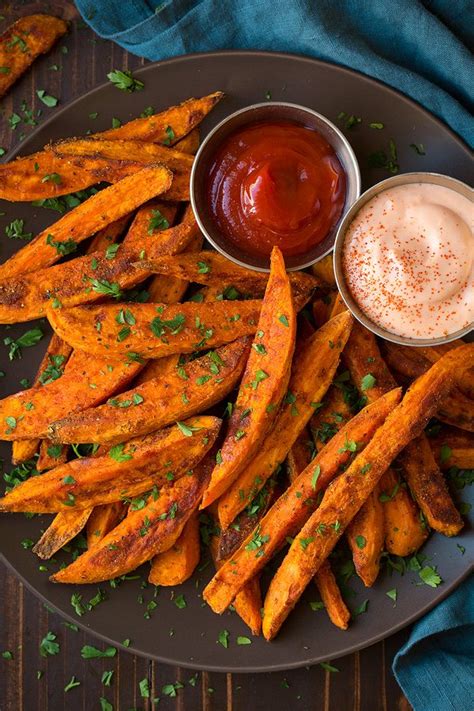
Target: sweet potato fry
{"x":300,"y":454}
{"x":158,"y":329}
{"x":190,"y":143}
{"x":336,"y":608}
{"x":108,"y":235}
{"x":312,"y":373}
{"x":51,"y":455}
{"x":295,"y":505}
{"x":177,"y":564}
{"x":142,"y":534}
{"x":191,"y":389}
{"x":263,"y":384}
{"x":102,"y":520}
{"x":64,"y":527}
{"x":324,"y":270}
{"x":345,"y":496}
{"x":366,"y":535}
{"x":123,"y":150}
{"x":328,"y":419}
{"x":433,"y":353}
{"x":428,"y":486}
{"x":25,"y":40}
{"x":405,"y":530}
{"x":85,"y":279}
{"x":325,"y":579}
{"x":211,"y":268}
{"x":368,"y":370}
{"x":322,"y":308}
{"x":452,"y":447}
{"x":125,"y":472}
{"x":86,"y":382}
{"x":101,"y":209}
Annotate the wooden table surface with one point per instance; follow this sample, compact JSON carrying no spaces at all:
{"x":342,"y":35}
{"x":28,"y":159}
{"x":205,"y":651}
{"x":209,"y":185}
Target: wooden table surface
{"x":364,"y":680}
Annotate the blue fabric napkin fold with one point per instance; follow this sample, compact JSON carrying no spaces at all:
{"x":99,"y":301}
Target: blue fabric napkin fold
{"x":419,"y":47}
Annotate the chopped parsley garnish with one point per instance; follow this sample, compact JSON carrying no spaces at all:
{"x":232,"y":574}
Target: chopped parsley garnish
{"x":380,"y":159}
{"x":429,"y":575}
{"x":15,"y":230}
{"x":224,"y":638}
{"x":360,"y":542}
{"x":107,"y":288}
{"x":170,"y":136}
{"x":62,"y":248}
{"x":72,"y":684}
{"x":157,"y":222}
{"x":89,"y":652}
{"x":48,"y":645}
{"x":259,"y":376}
{"x":242,"y":641}
{"x":187,"y":430}
{"x":125,"y":81}
{"x":315,"y":476}
{"x":418,"y":148}
{"x":26,"y":340}
{"x":367,"y":382}
{"x":328,"y":667}
{"x":257,"y":542}
{"x":53,"y":370}
{"x":47,"y":99}
{"x":283,"y":319}
{"x":361,"y":608}
{"x":180,"y":602}
{"x":349,"y":446}
{"x":175,"y":325}
{"x":117,"y":453}
{"x":445,"y":453}
{"x":392,"y":594}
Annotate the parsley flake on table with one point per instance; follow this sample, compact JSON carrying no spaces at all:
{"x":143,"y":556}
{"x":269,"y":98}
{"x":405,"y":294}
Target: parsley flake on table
{"x":180,"y":602}
{"x":125,"y":80}
{"x":47,"y":99}
{"x":48,"y":645}
{"x":89,"y":652}
{"x":72,"y":684}
{"x":15,"y":230}
{"x":328,"y":667}
{"x":392,"y":594}
{"x":62,"y":248}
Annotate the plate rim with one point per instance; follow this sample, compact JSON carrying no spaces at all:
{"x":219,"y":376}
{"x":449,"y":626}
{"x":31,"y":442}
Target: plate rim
{"x":445,"y":591}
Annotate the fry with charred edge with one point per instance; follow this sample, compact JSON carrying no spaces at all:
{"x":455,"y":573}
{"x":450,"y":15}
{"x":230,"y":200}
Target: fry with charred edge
{"x":324,"y":270}
{"x":85,"y":382}
{"x":263,"y":384}
{"x":56,"y":356}
{"x":102,"y":520}
{"x":347,"y":493}
{"x":143,"y":533}
{"x":453,"y":448}
{"x":190,"y":389}
{"x":20,"y":181}
{"x":125,"y":472}
{"x":428,"y":486}
{"x":84,"y":279}
{"x":248,"y":603}
{"x":25,"y":40}
{"x":64,"y":527}
{"x":177,"y":564}
{"x":336,"y":608}
{"x":211,"y":268}
{"x":158,"y":329}
{"x":87,"y":218}
{"x":325,"y":580}
{"x":313,"y":370}
{"x":405,"y":529}
{"x":295,"y":505}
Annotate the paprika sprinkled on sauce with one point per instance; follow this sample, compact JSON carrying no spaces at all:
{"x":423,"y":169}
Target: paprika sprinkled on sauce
{"x":408,"y":260}
{"x":276,"y":184}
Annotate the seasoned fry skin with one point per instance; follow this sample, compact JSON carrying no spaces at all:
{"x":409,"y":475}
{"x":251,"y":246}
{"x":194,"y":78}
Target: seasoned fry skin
{"x":405,"y":530}
{"x":84,"y":279}
{"x":190,"y":143}
{"x":177,"y":564}
{"x":101,"y":209}
{"x":64,"y":527}
{"x":85,"y":382}
{"x":264,"y":381}
{"x":366,"y":535}
{"x":186,"y":391}
{"x":102,"y":520}
{"x":20,"y":181}
{"x":142,"y":534}
{"x":429,"y":488}
{"x":124,"y":472}
{"x":313,"y":370}
{"x":452,"y":447}
{"x":347,"y":493}
{"x":25,"y":40}
{"x":295,"y":505}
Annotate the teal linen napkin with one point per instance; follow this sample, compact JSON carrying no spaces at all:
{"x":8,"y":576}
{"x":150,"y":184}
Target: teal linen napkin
{"x":420,"y":48}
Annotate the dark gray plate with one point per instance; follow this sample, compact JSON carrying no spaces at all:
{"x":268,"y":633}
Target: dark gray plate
{"x":188,"y":636}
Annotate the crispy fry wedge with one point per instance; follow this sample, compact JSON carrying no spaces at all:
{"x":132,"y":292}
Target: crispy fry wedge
{"x":347,"y":493}
{"x":177,"y":564}
{"x":101,"y":209}
{"x":263,"y":384}
{"x":159,"y":368}
{"x":84,"y":279}
{"x":429,"y":488}
{"x":158,"y":329}
{"x":86,"y":382}
{"x":324,"y":270}
{"x":25,"y":40}
{"x":313,"y":370}
{"x":191,"y":389}
{"x":434,"y":353}
{"x":56,"y":356}
{"x":453,"y":448}
{"x":108,"y":235}
{"x":211,"y":268}
{"x":102,"y":520}
{"x":64,"y":527}
{"x":295,"y":505}
{"x":190,"y":143}
{"x":125,"y":472}
{"x":142,"y":534}
{"x":366,"y":535}
{"x":405,"y":530}
{"x":299,"y":457}
{"x":362,"y":358}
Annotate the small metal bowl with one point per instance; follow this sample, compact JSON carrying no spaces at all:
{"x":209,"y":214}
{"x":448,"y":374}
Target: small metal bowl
{"x":269,"y":111}
{"x":403,"y":179}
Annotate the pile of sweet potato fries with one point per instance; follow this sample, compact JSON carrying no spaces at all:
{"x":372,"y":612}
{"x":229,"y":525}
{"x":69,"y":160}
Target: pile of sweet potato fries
{"x":324,"y":429}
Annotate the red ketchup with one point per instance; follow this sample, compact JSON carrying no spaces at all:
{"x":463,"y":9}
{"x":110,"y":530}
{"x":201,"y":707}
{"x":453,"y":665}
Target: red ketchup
{"x":276,"y":184}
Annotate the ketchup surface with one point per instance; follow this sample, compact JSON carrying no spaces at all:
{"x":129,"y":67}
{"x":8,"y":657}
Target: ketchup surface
{"x":276,"y":184}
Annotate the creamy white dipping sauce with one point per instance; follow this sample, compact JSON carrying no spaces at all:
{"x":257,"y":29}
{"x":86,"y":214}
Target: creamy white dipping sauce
{"x":408,"y":260}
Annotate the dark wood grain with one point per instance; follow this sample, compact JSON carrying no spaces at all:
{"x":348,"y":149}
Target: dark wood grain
{"x":364,"y":681}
